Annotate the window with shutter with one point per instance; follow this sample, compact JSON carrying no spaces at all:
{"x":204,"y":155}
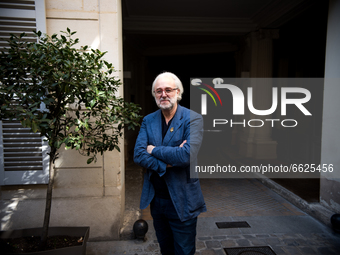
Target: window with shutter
{"x":23,"y":154}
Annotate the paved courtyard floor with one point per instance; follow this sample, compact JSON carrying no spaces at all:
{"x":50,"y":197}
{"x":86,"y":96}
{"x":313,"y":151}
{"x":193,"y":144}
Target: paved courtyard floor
{"x":274,"y":224}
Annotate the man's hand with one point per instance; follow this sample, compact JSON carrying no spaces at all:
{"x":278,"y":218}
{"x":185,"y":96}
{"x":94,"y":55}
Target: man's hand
{"x":180,"y":147}
{"x":182,"y":144}
{"x":150,"y":148}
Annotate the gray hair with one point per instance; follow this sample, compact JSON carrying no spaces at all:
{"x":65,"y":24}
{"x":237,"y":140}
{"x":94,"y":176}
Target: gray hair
{"x":178,"y":83}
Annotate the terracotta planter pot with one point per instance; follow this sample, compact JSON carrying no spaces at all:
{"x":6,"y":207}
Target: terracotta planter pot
{"x":53,"y":231}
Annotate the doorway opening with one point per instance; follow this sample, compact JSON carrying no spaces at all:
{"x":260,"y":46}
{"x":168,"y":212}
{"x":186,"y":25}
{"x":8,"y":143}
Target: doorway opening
{"x":207,"y":42}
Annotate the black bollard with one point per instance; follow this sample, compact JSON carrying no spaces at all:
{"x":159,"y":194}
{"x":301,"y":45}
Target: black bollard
{"x":140,"y":228}
{"x":335,"y":220}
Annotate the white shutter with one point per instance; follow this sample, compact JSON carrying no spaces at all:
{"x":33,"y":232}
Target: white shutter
{"x":18,"y":16}
{"x":23,"y":154}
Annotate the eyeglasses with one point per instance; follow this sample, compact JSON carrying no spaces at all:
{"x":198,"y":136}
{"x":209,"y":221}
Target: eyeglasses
{"x":167,"y":91}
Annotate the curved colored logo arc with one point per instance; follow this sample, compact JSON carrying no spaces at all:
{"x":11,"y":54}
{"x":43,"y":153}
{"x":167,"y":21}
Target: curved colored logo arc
{"x":215,"y":92}
{"x":210,"y":94}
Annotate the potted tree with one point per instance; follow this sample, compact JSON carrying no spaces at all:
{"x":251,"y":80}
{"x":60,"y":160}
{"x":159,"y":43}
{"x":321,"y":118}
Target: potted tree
{"x":77,"y":90}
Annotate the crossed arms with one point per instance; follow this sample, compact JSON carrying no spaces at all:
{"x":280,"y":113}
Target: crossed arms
{"x":158,"y":158}
{"x":151,"y":147}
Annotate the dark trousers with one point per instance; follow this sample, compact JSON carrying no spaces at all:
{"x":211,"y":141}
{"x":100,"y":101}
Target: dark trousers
{"x":174,"y":236}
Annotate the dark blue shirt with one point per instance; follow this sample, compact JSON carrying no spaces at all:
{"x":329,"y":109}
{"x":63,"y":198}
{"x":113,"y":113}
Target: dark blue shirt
{"x":159,"y":184}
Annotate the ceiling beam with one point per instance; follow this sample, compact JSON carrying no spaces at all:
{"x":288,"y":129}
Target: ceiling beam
{"x":190,"y":49}
{"x":272,"y":15}
{"x":187,"y":25}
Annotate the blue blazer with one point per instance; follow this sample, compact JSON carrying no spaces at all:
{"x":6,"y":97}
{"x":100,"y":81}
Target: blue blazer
{"x":185,"y":190}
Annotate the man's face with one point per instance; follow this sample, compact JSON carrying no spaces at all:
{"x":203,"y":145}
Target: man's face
{"x":166,"y":93}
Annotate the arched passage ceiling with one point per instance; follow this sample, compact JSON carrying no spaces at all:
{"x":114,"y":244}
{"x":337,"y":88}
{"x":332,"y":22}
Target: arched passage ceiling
{"x":191,"y":26}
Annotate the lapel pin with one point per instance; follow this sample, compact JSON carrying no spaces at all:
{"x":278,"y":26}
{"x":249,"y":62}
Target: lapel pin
{"x":171,"y":129}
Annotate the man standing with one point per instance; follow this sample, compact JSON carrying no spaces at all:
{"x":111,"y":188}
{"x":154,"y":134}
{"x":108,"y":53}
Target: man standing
{"x":167,"y":145}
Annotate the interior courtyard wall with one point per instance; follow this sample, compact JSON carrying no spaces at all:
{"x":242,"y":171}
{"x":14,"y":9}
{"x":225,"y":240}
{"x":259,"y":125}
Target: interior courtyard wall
{"x":98,"y":24}
{"x":330,"y":181}
{"x":84,"y":195}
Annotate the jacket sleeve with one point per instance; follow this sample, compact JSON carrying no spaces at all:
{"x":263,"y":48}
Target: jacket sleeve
{"x":142,"y":157}
{"x":183,"y":156}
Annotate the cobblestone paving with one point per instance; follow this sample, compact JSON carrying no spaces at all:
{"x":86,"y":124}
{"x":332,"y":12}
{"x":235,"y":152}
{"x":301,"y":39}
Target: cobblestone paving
{"x":274,"y":222}
{"x":241,"y":197}
{"x":313,"y":243}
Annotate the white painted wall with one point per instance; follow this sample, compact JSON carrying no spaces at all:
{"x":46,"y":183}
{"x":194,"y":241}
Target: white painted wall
{"x":84,"y":195}
{"x":330,"y":150}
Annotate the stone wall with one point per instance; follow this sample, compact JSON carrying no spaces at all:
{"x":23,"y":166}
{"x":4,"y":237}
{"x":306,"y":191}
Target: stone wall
{"x":84,"y":195}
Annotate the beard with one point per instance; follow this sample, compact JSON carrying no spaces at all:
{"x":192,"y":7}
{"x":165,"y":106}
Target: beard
{"x":171,"y":102}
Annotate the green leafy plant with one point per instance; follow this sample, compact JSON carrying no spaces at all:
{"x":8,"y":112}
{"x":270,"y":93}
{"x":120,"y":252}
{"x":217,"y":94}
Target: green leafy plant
{"x":77,"y":90}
